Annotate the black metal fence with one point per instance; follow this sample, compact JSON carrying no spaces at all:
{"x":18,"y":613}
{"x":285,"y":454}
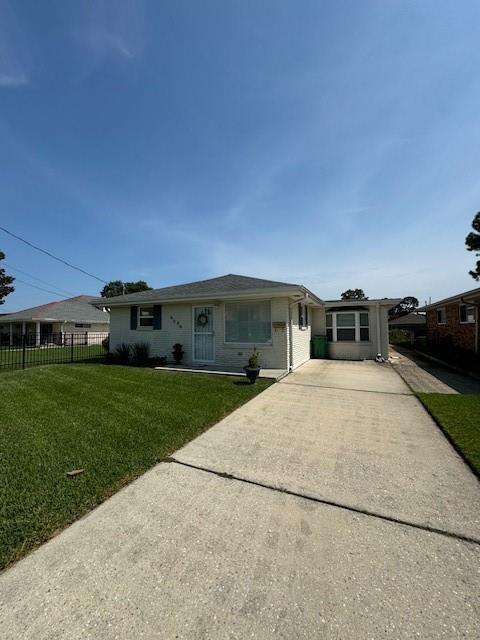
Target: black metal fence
{"x":30,"y":349}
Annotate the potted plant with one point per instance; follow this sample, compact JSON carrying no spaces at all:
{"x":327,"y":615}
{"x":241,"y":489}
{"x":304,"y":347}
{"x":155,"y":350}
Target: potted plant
{"x":177,"y":353}
{"x":252,"y":369}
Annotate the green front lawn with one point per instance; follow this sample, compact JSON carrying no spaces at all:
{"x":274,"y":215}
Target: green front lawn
{"x":115,"y":422}
{"x":12,"y":358}
{"x":459,"y":417}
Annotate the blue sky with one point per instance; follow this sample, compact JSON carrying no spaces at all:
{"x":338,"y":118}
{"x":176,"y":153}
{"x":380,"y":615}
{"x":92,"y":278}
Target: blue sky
{"x":330,"y":143}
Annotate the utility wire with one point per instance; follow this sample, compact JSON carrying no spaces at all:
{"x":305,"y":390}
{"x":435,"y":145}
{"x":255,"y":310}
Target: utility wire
{"x":49,"y":284}
{"x":29,"y":284}
{"x":47,"y":253}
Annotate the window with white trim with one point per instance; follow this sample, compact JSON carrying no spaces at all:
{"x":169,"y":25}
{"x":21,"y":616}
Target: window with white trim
{"x":467,"y":313}
{"x":348,"y":326}
{"x":145,"y":316}
{"x":441,"y":316}
{"x":83,"y":325}
{"x":248,"y":322}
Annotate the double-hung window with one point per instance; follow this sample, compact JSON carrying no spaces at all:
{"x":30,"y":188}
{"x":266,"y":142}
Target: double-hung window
{"x":467,"y":313}
{"x":248,"y":322}
{"x":441,"y":316}
{"x":348,"y":326}
{"x":145,"y":316}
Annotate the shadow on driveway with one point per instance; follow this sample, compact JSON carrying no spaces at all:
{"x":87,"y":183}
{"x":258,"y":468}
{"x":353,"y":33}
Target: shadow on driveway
{"x":424,"y":376}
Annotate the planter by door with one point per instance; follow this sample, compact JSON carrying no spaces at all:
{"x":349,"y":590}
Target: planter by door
{"x":203,"y":334}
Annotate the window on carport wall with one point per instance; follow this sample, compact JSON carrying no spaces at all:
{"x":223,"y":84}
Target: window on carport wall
{"x":348,"y":326}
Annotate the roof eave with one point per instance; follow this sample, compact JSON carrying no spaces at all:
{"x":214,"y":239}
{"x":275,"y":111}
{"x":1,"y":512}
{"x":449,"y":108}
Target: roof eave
{"x":466,"y":297}
{"x":276,"y":292}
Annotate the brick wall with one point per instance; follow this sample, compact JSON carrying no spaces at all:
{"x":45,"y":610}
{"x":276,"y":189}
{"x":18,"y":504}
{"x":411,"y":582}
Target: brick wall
{"x":455,"y":333}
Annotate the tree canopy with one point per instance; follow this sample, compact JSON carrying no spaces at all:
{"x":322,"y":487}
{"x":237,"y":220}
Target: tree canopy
{"x":407,"y":305}
{"x":473,"y":244}
{"x":354,"y":294}
{"x":118,"y":288}
{"x":5,"y":282}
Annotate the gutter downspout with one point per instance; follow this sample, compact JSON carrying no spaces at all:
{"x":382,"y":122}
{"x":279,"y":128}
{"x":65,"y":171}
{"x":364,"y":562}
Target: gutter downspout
{"x":476,"y":306}
{"x":379,"y":339}
{"x":290,"y":329}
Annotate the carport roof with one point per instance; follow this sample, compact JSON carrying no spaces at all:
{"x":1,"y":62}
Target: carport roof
{"x":358,"y":304}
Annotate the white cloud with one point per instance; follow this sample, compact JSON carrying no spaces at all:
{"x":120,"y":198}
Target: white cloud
{"x":14,"y":53}
{"x":13,"y":80}
{"x":103,"y":41}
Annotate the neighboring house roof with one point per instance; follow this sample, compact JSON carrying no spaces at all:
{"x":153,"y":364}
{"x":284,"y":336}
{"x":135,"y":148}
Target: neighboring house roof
{"x":408,"y":318}
{"x":472,"y":296}
{"x":77,"y":309}
{"x":229,"y":286}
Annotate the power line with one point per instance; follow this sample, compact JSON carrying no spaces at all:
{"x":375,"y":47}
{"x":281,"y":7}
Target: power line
{"x":47,"y":253}
{"x":29,"y":284}
{"x":49,"y":284}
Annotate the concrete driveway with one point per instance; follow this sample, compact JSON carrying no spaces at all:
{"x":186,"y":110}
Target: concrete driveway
{"x":330,"y":506}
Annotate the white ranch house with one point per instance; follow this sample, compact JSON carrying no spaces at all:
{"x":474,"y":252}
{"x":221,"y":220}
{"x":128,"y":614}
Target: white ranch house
{"x":219,"y":321}
{"x":49,"y":323}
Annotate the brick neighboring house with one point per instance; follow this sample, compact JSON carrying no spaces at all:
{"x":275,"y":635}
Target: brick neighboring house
{"x":454,"y":322}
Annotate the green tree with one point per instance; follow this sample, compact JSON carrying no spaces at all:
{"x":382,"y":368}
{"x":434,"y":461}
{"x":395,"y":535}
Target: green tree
{"x":354,"y":294}
{"x":118,"y":288}
{"x":5,"y":282}
{"x":407,"y":305}
{"x":473,"y":244}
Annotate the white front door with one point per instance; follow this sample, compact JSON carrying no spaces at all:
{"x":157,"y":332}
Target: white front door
{"x":203,"y":334}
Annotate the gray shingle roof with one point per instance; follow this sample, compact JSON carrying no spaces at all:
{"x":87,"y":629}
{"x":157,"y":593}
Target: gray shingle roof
{"x":215,"y":287}
{"x":409,"y":318}
{"x":78,"y":309}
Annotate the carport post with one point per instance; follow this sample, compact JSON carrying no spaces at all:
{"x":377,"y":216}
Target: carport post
{"x":379,"y":329}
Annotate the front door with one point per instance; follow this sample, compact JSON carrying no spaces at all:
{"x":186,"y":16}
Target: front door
{"x":203,"y":334}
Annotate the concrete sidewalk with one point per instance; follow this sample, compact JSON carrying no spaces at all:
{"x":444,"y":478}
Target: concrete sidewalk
{"x":313,"y":511}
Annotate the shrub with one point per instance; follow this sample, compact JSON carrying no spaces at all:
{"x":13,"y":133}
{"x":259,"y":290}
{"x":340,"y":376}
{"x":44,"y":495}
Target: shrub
{"x":400,"y":336}
{"x":106,"y":344}
{"x":122,"y":353}
{"x":177,"y":352}
{"x":140,"y":354}
{"x":253,"y":359}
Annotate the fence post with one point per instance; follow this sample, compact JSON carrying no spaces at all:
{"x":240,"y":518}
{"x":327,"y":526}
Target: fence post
{"x":24,"y":344}
{"x":71,"y":347}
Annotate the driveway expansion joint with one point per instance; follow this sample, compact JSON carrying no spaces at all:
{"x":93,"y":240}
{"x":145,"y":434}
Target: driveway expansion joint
{"x":324,"y":386}
{"x":326,"y":502}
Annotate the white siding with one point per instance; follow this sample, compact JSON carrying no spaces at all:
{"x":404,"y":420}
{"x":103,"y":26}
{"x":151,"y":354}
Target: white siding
{"x":177,"y":327}
{"x":356,"y":350}
{"x":93,"y":335}
{"x":272,"y":356}
{"x":301,"y":337}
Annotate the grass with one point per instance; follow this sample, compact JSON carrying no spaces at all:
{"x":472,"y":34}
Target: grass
{"x":12,"y":358}
{"x":459,"y":417}
{"x":115,"y":422}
